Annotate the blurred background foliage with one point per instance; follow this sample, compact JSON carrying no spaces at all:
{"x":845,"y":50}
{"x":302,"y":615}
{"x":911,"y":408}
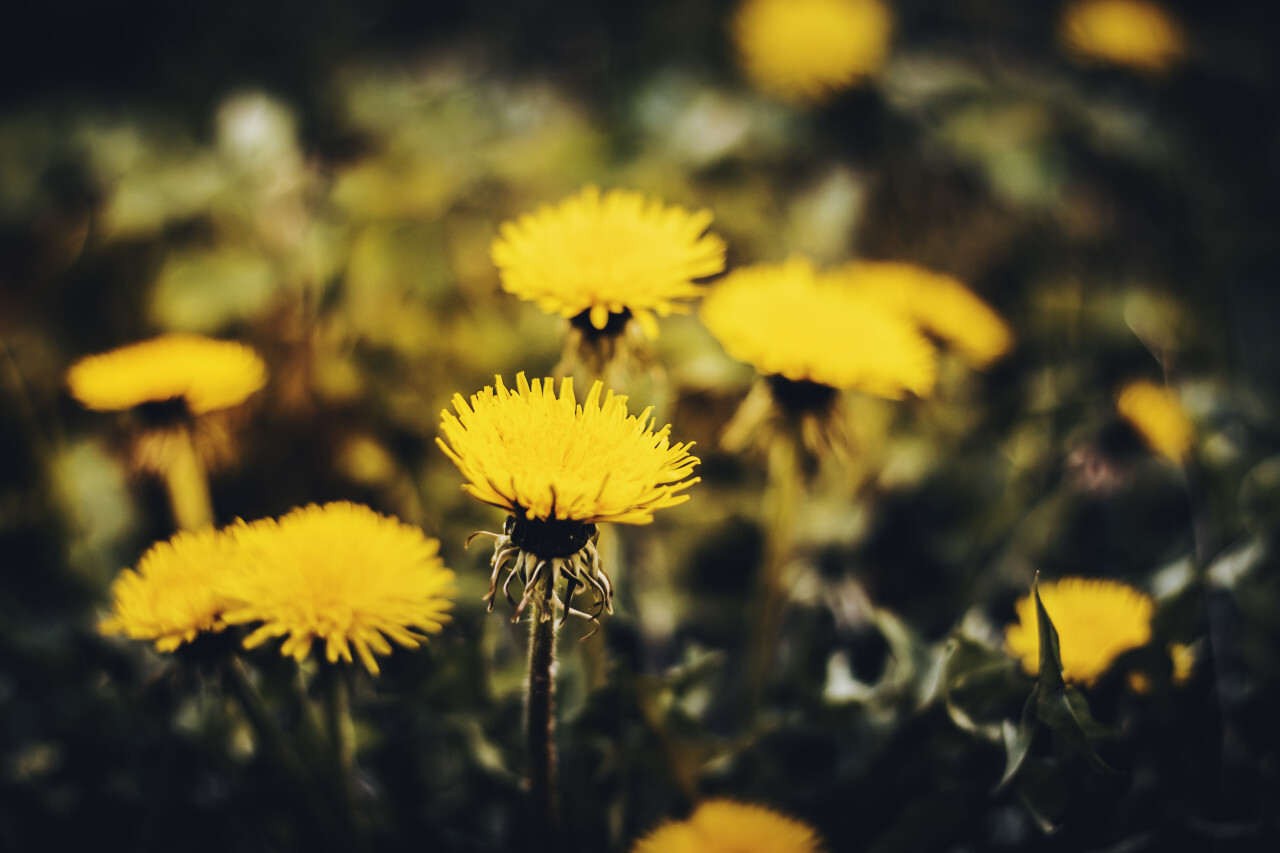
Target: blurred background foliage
{"x":323,"y":181}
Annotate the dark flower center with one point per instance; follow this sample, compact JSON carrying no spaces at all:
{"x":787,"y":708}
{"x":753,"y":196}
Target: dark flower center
{"x":549,"y":538}
{"x":612,"y":328}
{"x":801,"y":396}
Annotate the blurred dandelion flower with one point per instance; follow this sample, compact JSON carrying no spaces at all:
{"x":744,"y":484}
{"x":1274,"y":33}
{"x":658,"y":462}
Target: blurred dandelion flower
{"x":173,"y":596}
{"x":725,"y":826}
{"x":1184,"y":662}
{"x":804,"y":50}
{"x":1096,"y":620}
{"x":1131,"y":33}
{"x":601,"y":260}
{"x":558,"y":467}
{"x":1158,"y":416}
{"x":939,"y":304}
{"x":340,"y":573}
{"x":202,"y":373}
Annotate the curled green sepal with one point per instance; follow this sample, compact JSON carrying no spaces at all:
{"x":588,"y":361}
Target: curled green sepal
{"x":1063,"y":709}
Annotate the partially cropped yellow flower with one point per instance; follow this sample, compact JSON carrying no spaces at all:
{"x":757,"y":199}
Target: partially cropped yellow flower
{"x":805,"y":50}
{"x":174,"y":594}
{"x":618,"y":253}
{"x":725,"y":826}
{"x":939,"y":304}
{"x":341,"y":574}
{"x":1096,"y":621}
{"x":1131,"y":33}
{"x":539,"y":456}
{"x":1159,"y":418}
{"x":203,"y":373}
{"x":788,"y":319}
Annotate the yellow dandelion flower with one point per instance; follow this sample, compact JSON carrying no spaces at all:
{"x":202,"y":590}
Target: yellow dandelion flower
{"x":939,"y":304}
{"x":1095,"y":619}
{"x":1131,"y":33}
{"x":340,"y":573}
{"x":787,"y":319}
{"x":1159,"y":418}
{"x":805,"y":50}
{"x":725,"y":826}
{"x":619,"y":254}
{"x":558,"y":467}
{"x":205,"y":374}
{"x":174,"y":594}
{"x":1184,"y":662}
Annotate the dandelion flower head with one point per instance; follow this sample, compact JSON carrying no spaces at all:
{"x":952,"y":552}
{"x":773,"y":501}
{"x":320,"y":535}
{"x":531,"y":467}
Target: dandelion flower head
{"x":596,"y":255}
{"x":1096,"y":621}
{"x":1132,"y":33}
{"x":173,"y":595}
{"x":939,"y":304}
{"x":788,"y":319}
{"x":206,"y":374}
{"x":341,"y":574}
{"x":804,"y":50}
{"x":725,"y":826}
{"x":1158,"y":416}
{"x":548,"y":457}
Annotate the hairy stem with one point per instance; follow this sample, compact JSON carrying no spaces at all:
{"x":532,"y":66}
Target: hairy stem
{"x":540,"y":715}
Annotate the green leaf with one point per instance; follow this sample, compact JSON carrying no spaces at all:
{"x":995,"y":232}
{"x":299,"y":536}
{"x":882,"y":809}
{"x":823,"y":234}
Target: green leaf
{"x":1017,"y":740}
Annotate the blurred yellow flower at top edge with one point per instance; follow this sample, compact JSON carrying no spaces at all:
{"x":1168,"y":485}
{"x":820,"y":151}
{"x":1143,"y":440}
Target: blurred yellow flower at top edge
{"x":805,"y":50}
{"x":1130,"y":33}
{"x":725,"y":826}
{"x":206,"y":374}
{"x":342,"y":574}
{"x":790,"y":320}
{"x":173,"y":596}
{"x":940,"y":304}
{"x":1096,"y":620}
{"x":608,"y":254}
{"x":1159,"y":418}
{"x":540,"y":456}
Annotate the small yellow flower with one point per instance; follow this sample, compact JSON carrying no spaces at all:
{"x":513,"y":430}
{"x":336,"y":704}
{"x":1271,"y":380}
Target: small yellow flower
{"x":724,"y":826}
{"x":804,"y":50}
{"x":1095,"y":619}
{"x":1159,"y":418}
{"x":939,"y":304}
{"x":342,"y":574}
{"x":173,"y":596}
{"x":1131,"y":33}
{"x":1184,"y":662}
{"x":789,"y":320}
{"x":205,"y":374}
{"x":619,"y":253}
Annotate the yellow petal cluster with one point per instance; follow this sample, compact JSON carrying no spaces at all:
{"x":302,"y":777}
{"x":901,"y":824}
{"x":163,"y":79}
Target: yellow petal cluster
{"x":1130,"y":33}
{"x":1159,"y":418}
{"x":725,"y":826}
{"x":939,"y":304}
{"x":608,"y":253}
{"x":174,"y":595}
{"x":341,"y":574}
{"x":1096,"y":620}
{"x":804,"y":50}
{"x":788,"y":319}
{"x":542,"y":456}
{"x":207,"y":374}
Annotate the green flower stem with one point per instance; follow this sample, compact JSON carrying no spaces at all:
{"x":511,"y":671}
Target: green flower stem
{"x":272,"y":739}
{"x":540,"y":716}
{"x":341,"y":729}
{"x":771,"y":593}
{"x":188,"y":485}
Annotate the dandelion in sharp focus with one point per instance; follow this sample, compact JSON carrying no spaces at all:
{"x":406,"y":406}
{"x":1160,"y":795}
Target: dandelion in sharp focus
{"x":559,"y":467}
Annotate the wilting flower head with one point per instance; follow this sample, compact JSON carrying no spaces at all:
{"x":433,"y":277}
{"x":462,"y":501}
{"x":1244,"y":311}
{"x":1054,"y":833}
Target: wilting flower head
{"x":1132,"y":33}
{"x":558,"y":467}
{"x":174,"y":595}
{"x":724,"y":826}
{"x":203,"y":373}
{"x":1159,"y":418}
{"x":342,"y":574}
{"x":939,"y":304}
{"x":806,"y":49}
{"x":1096,"y":621}
{"x":619,"y":254}
{"x":790,"y":320}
